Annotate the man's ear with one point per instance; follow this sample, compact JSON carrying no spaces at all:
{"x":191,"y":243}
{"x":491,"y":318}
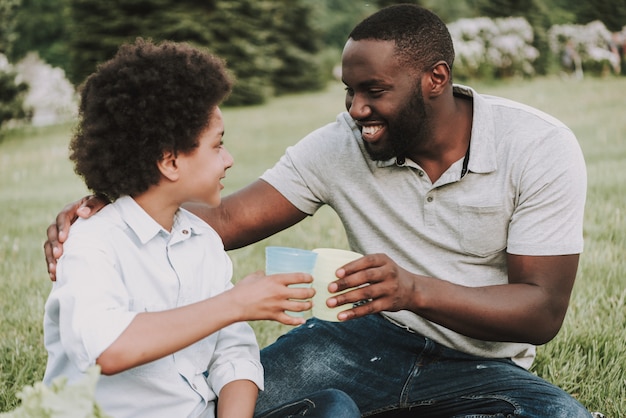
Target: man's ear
{"x":438,"y":78}
{"x":168,"y":166}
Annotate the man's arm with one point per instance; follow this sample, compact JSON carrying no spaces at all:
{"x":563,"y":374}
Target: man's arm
{"x":530,"y":308}
{"x":249,"y":215}
{"x":244,"y":217}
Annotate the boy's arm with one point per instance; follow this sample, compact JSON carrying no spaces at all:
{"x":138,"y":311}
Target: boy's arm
{"x":237,"y":399}
{"x":153,"y":335}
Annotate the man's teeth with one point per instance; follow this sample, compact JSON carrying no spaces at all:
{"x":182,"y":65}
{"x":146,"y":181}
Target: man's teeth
{"x":371,"y":130}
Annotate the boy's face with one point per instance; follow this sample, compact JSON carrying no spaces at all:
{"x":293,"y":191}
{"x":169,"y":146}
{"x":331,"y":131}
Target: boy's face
{"x":206,"y":165}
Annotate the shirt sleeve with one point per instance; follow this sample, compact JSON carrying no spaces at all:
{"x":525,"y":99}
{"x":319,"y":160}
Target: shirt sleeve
{"x":317,"y":166}
{"x":548,"y":219}
{"x":236,"y":357}
{"x":91,"y":299}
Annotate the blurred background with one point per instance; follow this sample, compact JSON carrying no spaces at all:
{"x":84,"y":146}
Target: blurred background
{"x":562,"y":56}
{"x":273,"y":47}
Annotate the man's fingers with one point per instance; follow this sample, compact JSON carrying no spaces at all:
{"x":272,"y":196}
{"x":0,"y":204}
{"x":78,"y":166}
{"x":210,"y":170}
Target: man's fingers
{"x":48,"y":250}
{"x":91,"y":204}
{"x":64,"y":220}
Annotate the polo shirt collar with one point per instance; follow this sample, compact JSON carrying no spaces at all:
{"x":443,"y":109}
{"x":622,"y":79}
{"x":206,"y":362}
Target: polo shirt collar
{"x":482,"y":144}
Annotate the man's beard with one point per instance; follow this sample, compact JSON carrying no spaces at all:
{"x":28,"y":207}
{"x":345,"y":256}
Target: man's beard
{"x":404,"y":131}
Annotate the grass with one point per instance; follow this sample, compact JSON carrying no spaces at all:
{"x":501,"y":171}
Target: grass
{"x":587,"y":358}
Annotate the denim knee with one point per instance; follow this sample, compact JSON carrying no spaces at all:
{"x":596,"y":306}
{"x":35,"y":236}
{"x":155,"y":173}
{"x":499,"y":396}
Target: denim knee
{"x":326,"y":403}
{"x":336,"y":404}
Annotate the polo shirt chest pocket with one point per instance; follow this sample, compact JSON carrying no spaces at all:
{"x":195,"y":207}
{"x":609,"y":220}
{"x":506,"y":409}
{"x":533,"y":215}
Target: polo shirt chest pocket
{"x":483,"y":230}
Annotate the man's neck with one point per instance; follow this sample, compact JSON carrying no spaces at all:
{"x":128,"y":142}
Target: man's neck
{"x":451,"y":139}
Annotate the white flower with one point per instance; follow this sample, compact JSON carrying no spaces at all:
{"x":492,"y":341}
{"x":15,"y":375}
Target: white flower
{"x":51,"y":96}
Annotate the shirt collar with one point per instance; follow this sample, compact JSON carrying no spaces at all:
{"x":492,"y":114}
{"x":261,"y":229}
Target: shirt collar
{"x":146,"y":228}
{"x":482,"y":143}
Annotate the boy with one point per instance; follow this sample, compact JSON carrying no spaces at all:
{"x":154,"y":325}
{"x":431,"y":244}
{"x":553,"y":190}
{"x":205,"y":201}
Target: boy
{"x":144,"y":287}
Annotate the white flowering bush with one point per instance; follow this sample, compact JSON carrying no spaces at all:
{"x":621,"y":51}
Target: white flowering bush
{"x":486,"y":48}
{"x":590,"y":41}
{"x":60,"y":400}
{"x":51,"y":96}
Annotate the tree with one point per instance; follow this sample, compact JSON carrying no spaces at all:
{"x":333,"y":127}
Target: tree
{"x":8,"y":9}
{"x":294,"y":44}
{"x":41,"y":26}
{"x":239,"y":36}
{"x":269,"y":45}
{"x":610,"y":12}
{"x":12,"y":95}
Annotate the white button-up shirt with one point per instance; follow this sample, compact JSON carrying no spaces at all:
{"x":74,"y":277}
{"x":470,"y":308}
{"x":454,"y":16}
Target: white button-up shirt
{"x":121,"y":262}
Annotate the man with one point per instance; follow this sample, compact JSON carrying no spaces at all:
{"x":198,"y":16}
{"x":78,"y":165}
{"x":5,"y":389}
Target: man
{"x":469,"y":209}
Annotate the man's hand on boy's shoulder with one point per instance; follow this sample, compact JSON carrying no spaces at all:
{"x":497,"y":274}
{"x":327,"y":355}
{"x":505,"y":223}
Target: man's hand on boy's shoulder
{"x":58,"y":231}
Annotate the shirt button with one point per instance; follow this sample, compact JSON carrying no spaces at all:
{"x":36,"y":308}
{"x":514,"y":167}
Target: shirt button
{"x":429,"y":199}
{"x":420,"y":173}
{"x":185,"y":231}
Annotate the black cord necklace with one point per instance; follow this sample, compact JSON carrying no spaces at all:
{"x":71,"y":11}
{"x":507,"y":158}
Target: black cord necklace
{"x":465,"y":161}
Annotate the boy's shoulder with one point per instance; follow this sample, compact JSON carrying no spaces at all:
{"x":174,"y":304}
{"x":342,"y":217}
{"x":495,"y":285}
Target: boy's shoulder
{"x":99,"y":225}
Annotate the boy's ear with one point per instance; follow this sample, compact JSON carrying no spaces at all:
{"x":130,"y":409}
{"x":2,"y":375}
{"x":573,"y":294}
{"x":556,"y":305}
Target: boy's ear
{"x":168,"y":166}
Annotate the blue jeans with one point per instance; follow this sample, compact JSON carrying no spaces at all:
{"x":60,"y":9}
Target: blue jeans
{"x":328,"y":403}
{"x":383,"y":367}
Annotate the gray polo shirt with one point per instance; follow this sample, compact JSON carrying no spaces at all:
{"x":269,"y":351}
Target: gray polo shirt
{"x":524,"y":194}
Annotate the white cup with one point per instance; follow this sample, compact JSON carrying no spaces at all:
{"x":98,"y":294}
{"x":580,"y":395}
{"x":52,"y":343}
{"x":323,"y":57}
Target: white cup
{"x":329,"y":260}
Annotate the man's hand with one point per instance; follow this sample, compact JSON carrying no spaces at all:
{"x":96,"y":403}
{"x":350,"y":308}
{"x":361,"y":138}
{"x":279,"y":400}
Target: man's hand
{"x":58,"y":231}
{"x":530,"y":308}
{"x":389,"y":287}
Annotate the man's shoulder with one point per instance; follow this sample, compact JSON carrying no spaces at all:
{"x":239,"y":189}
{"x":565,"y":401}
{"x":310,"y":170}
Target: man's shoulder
{"x":508,"y":110}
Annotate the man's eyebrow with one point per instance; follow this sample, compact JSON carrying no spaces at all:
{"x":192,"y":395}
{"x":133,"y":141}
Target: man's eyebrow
{"x":368,"y":83}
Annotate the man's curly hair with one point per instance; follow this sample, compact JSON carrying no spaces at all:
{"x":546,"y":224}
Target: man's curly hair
{"x":422,"y":39}
{"x":148,"y":99}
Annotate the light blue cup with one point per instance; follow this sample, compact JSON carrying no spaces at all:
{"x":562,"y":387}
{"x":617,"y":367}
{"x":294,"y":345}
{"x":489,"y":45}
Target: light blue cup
{"x":290,"y":260}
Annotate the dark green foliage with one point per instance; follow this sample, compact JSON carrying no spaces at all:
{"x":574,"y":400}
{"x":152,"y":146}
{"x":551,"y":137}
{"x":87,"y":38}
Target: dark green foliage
{"x":98,"y":28}
{"x":610,"y":12}
{"x":238,"y":35}
{"x":12,"y":98}
{"x":8,"y":33}
{"x":294,"y":45}
{"x":270,"y":46}
{"x":41,"y":26}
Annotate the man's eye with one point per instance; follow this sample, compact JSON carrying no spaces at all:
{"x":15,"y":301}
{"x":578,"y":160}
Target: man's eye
{"x":376,"y":92}
{"x":349,"y":91}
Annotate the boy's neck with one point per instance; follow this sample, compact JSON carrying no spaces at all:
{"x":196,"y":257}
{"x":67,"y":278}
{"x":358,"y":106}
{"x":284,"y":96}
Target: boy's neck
{"x":160,"y":206}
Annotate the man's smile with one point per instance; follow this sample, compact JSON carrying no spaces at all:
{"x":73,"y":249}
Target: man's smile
{"x":372,"y":132}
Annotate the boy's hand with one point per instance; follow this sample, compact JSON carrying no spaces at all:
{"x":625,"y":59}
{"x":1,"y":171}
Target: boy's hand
{"x":58,"y":231}
{"x":262,"y":297}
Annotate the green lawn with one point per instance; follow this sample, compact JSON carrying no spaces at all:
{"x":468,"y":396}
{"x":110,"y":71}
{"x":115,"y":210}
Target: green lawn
{"x":587,"y":358}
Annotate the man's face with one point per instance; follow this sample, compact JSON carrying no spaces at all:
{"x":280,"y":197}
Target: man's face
{"x":385,"y":100}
